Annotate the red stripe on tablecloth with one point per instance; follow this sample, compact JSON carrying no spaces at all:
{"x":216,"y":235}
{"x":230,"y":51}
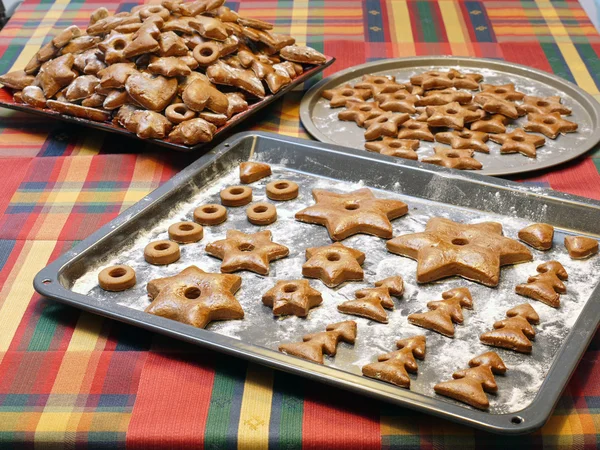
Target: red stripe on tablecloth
{"x":173,"y":399}
{"x":527,"y":53}
{"x":353,"y":51}
{"x":578,"y":178}
{"x":332,"y":421}
{"x":13,"y":171}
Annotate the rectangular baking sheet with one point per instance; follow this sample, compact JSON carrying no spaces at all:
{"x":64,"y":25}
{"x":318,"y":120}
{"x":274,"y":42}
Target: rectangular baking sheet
{"x":533,"y":383}
{"x":7,"y":101}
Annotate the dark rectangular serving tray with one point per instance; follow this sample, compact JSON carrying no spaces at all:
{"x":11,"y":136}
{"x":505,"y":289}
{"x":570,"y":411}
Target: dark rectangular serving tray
{"x":325,"y":160}
{"x":6,"y":101}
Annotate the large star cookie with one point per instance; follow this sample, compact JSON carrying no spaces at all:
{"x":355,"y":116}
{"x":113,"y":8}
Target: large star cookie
{"x":292,"y":297}
{"x":195,"y":297}
{"x":352,"y":213}
{"x":448,"y":248}
{"x":333,"y":264}
{"x":241,"y":251}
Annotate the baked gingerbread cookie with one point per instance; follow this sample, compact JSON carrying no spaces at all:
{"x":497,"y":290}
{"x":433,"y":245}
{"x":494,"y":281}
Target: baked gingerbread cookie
{"x":251,"y":171}
{"x":370,"y":303}
{"x":385,"y":124}
{"x":581,"y":247}
{"x":547,"y":285}
{"x":399,"y":148}
{"x":461,"y":159}
{"x":415,"y":129}
{"x":292,"y":297}
{"x":542,"y":105}
{"x":379,"y":84}
{"x":360,"y":112}
{"x":443,"y":314}
{"x":538,"y":235}
{"x":339,"y":96}
{"x":452,"y":115}
{"x":515,"y":332}
{"x":355,"y":212}
{"x":399,"y":101}
{"x":334,"y":264}
{"x":518,"y":141}
{"x":474,"y":140}
{"x":117,"y":278}
{"x":492,"y":123}
{"x":550,"y":125}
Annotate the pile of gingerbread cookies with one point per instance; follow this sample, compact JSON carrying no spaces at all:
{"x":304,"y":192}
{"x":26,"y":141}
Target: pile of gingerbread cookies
{"x":174,"y":70}
{"x":448,"y":107}
{"x":443,"y":249}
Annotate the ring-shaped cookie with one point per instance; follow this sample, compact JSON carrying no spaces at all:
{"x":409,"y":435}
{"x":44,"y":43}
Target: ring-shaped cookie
{"x":179,"y":112}
{"x":236,"y":196}
{"x":282,"y":190}
{"x":210,"y":214}
{"x":261,"y":213}
{"x":161,"y":253}
{"x":117,"y":278}
{"x":206,"y":53}
{"x":186,"y":232}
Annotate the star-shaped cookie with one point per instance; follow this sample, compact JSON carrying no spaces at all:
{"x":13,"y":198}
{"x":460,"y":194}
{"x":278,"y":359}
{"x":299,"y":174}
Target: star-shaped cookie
{"x":360,"y":112}
{"x":415,"y":129}
{"x":447,"y":248}
{"x":549,"y":124}
{"x":195,"y":297}
{"x":292,"y":297}
{"x":451,"y":115}
{"x":379,"y":84}
{"x":399,"y":101}
{"x":465,"y":80}
{"x":241,"y":251}
{"x":433,"y":79}
{"x":495,"y":123}
{"x":355,"y":212}
{"x":385,"y":124}
{"x":518,"y":141}
{"x":542,"y":105}
{"x":339,"y":96}
{"x":474,"y":140}
{"x":443,"y":97}
{"x":400,"y":148}
{"x":453,"y":158}
{"x":333,"y":264}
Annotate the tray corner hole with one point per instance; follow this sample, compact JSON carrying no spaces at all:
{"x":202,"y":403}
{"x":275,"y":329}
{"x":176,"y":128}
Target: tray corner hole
{"x":46,"y":281}
{"x":517,"y":420}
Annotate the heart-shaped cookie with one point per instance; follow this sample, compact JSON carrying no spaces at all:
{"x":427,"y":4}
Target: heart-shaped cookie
{"x":152,"y":92}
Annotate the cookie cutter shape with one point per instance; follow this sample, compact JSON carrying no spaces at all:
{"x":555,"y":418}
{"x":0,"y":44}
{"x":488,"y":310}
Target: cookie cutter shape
{"x":470,"y":385}
{"x":518,"y":141}
{"x":547,"y":285}
{"x":502,"y":91}
{"x":261,"y":213}
{"x":186,"y":232}
{"x":465,"y":80}
{"x":538,"y":235}
{"x":360,"y":112}
{"x":339,"y":96}
{"x":251,"y":171}
{"x":334,"y":264}
{"x":515,"y":332}
{"x":497,"y":105}
{"x":393,"y":367}
{"x":316,"y":344}
{"x":210,"y":214}
{"x":495,"y":123}
{"x":292,"y":298}
{"x":472,"y":251}
{"x":221,"y":73}
{"x":445,"y":313}
{"x":385,"y":124}
{"x":161,"y":252}
{"x":370,"y":303}
{"x":354,"y":212}
{"x":543,"y":105}
{"x":550,"y":125}
{"x":192,"y":132}
{"x":451,"y":115}
{"x":241,"y":251}
{"x":474,"y":140}
{"x":400,"y":148}
{"x":415,"y":129}
{"x":443,"y":97}
{"x":152,"y":92}
{"x":195,"y":297}
{"x":398,"y":101}
{"x":453,"y":159}
{"x":394,"y":285}
{"x":581,"y":247}
{"x":282,"y":190}
{"x":302,"y":54}
{"x":433,"y":79}
{"x":117,"y":278}
{"x":236,"y":196}
{"x":379,"y":84}
{"x":17,"y":79}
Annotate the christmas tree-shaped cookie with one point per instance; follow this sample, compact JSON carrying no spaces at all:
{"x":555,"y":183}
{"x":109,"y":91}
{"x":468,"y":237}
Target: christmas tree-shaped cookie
{"x":317,"y":344}
{"x":393,"y":367}
{"x":370,"y":303}
{"x":515,"y":332}
{"x":547,"y":286}
{"x":445,"y":313}
{"x":470,"y":385}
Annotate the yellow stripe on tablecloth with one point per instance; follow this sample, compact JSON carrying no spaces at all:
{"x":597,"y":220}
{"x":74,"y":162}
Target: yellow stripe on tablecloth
{"x":18,"y":293}
{"x":255,"y":412}
{"x":573,"y":59}
{"x":90,"y":143}
{"x":145,"y":170}
{"x":299,"y":25}
{"x":86,"y":334}
{"x":402,"y":28}
{"x":454,"y":28}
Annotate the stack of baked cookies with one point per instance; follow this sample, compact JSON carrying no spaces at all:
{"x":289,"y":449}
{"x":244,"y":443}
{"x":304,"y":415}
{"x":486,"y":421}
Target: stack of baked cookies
{"x":173,"y":71}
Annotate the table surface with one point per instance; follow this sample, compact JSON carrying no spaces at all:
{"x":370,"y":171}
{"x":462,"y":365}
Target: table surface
{"x":77,"y":380}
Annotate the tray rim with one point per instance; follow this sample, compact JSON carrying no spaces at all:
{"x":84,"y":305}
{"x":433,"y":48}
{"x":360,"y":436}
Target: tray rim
{"x":534,"y":415}
{"x":591,"y":105}
{"x":110,"y":128}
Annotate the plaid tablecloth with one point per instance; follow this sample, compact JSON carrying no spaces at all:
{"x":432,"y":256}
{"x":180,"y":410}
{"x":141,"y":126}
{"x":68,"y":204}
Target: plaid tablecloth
{"x":72,"y":379}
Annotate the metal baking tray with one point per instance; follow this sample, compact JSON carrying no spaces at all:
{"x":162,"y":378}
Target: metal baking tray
{"x":7,"y":101}
{"x":533,"y":383}
{"x":322,"y":123}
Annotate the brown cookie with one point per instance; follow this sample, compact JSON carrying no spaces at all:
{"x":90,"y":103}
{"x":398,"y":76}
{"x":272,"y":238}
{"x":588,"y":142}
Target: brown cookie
{"x":56,"y":74}
{"x":581,"y":247}
{"x":496,"y":105}
{"x":33,"y":96}
{"x":360,"y":112}
{"x":117,"y":278}
{"x":370,"y":303}
{"x":179,"y":112}
{"x":379,"y":84}
{"x":398,"y":101}
{"x":465,"y":80}
{"x":453,"y":159}
{"x":221,"y":73}
{"x":542,"y":105}
{"x":292,"y":297}
{"x":551,"y":124}
{"x":515,"y":332}
{"x":470,"y":385}
{"x":84,"y":112}
{"x":17,"y":79}
{"x":282,"y":190}
{"x":503,"y":91}
{"x":446,"y":248}
{"x":251,"y":171}
{"x":518,"y":141}
{"x":452,"y":115}
{"x":161,"y":253}
{"x":236,"y":195}
{"x":547,"y":286}
{"x":168,"y":66}
{"x":445,"y":313}
{"x":339,"y":96}
{"x":261,"y":213}
{"x":192,"y":132}
{"x":302,"y":54}
{"x":443,"y":97}
{"x":185,"y":232}
{"x":200,"y":94}
{"x":413,"y":129}
{"x":195,"y":297}
{"x":495,"y":123}
{"x":538,"y":235}
{"x":149,"y":124}
{"x":355,"y":212}
{"x":400,"y":148}
{"x":385,"y":124}
{"x":474,"y":140}
{"x":115,"y":76}
{"x":394,"y":367}
{"x":433,"y":79}
{"x":152,"y":92}
{"x":241,"y":251}
{"x":333,"y":264}
{"x":210,"y":214}
{"x":316,"y":344}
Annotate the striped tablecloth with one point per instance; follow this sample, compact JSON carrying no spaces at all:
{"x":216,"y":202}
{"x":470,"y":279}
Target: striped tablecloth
{"x":75,"y":380}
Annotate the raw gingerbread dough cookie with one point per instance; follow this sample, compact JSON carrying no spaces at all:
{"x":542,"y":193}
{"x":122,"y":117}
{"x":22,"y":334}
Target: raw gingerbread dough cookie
{"x":547,"y":285}
{"x":538,"y":235}
{"x":251,"y":171}
{"x":333,"y":264}
{"x":515,"y":332}
{"x":581,"y":247}
{"x":445,"y":313}
{"x":292,"y":297}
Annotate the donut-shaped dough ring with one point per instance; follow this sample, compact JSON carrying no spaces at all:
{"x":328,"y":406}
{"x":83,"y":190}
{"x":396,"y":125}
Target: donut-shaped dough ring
{"x":206,"y":53}
{"x":282,"y":190}
{"x":179,"y":112}
{"x":236,"y":196}
{"x":160,"y":253}
{"x":210,"y":214}
{"x":186,"y":232}
{"x":117,"y":278}
{"x":261,"y":213}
